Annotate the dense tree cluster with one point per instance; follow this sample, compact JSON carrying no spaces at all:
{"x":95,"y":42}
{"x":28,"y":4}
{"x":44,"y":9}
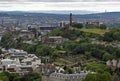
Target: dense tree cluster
{"x":72,"y":33}
{"x":66,"y":33}
{"x":112,"y":35}
{"x":6,"y":40}
{"x":98,"y":77}
{"x":5,"y":76}
{"x":95,"y":50}
{"x":77,"y":25}
{"x":103,"y":26}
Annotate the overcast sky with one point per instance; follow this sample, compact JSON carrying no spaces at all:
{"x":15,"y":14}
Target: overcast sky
{"x":41,"y":5}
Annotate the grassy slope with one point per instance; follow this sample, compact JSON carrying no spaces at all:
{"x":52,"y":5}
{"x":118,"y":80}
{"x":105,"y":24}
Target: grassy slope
{"x":73,"y":60}
{"x":95,"y":31}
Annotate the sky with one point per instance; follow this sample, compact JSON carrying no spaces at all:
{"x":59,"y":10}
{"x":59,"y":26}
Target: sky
{"x":59,"y":5}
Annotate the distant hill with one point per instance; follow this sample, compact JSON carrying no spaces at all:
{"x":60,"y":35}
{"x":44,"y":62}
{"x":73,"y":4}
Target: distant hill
{"x":3,"y":14}
{"x":83,"y":14}
{"x":112,"y":19}
{"x":104,"y":15}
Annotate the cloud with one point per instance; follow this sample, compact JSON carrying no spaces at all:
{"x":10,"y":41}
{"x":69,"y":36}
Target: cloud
{"x":59,"y":0}
{"x":38,"y":5}
{"x":43,"y":6}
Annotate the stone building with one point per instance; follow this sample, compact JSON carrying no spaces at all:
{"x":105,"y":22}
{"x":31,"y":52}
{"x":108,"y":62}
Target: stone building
{"x":109,"y":63}
{"x":113,"y":63}
{"x":92,"y":24}
{"x":26,"y":34}
{"x":64,"y":77}
{"x":19,"y":61}
{"x":52,"y":41}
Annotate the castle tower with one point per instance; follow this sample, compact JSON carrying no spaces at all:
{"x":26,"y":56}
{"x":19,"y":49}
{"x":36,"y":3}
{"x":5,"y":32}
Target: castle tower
{"x":70,"y":19}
